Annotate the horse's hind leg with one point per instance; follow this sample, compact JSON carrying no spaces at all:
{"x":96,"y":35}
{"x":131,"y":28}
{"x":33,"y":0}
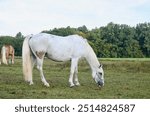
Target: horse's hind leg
{"x":40,"y":68}
{"x":34,"y":61}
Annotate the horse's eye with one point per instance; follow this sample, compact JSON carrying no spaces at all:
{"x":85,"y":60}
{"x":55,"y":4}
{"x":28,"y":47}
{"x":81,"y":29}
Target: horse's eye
{"x":100,"y":73}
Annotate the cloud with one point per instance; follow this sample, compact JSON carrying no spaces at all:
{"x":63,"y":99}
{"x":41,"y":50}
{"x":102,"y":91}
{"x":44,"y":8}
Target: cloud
{"x":33,"y":16}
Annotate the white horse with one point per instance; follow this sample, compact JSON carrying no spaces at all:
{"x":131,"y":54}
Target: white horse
{"x":59,"y":48}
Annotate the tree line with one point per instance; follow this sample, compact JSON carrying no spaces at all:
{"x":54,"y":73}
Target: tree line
{"x":112,"y":40}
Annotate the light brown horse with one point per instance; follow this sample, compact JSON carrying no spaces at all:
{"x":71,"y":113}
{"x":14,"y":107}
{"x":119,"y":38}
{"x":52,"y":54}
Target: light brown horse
{"x":7,"y":54}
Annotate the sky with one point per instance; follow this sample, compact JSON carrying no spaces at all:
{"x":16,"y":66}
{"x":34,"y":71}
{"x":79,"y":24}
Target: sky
{"x":34,"y":16}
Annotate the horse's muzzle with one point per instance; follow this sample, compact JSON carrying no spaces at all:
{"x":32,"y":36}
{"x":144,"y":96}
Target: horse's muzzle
{"x":100,"y":83}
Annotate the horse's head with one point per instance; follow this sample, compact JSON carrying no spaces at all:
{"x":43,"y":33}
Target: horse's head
{"x":98,"y":76}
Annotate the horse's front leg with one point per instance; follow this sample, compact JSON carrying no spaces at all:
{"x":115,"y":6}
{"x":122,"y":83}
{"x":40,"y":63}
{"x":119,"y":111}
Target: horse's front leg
{"x":74,"y":63}
{"x":76,"y":81}
{"x":13,"y":59}
{"x":71,"y":79}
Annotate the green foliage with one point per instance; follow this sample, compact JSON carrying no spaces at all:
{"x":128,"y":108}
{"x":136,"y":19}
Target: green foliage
{"x":6,"y":40}
{"x":16,"y":42}
{"x":61,"y":31}
{"x":143,"y":36}
{"x":19,"y":36}
{"x":112,"y":40}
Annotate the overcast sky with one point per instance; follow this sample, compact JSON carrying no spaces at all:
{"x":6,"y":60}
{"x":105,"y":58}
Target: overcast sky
{"x":34,"y":16}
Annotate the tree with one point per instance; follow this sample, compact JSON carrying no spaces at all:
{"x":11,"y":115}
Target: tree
{"x":83,"y":29}
{"x":19,"y":36}
{"x":143,"y":36}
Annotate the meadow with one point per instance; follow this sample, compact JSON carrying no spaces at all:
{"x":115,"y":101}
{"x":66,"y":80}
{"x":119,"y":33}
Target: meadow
{"x":124,"y":79}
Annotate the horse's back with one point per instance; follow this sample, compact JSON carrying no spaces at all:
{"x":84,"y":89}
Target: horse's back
{"x":50,"y":37}
{"x":44,"y":40}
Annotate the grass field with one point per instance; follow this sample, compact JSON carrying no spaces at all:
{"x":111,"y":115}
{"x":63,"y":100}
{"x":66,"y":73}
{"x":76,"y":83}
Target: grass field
{"x":124,"y":79}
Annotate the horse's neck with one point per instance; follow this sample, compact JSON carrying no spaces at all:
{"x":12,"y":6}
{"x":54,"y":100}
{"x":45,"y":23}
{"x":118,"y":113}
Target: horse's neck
{"x":92,"y":59}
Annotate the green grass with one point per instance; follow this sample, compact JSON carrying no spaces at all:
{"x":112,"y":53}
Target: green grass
{"x":124,"y":79}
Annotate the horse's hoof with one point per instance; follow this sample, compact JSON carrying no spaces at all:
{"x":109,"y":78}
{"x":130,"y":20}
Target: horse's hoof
{"x":47,"y":84}
{"x":77,"y":84}
{"x":31,"y":83}
{"x":71,"y":86}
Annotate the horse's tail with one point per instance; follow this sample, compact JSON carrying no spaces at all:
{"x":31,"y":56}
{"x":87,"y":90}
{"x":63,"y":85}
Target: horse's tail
{"x":26,"y":59}
{"x":4,"y":60}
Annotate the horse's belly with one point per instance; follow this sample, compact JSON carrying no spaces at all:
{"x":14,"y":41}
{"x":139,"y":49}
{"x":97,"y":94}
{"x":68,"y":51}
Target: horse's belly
{"x":64,"y":52}
{"x":58,"y":57}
